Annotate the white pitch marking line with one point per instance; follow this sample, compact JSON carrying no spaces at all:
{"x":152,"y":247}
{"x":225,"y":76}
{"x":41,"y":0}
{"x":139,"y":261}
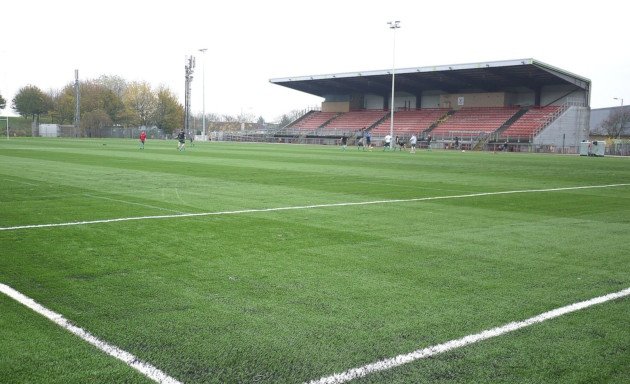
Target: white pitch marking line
{"x":255,"y":210}
{"x":146,"y":369}
{"x":385,"y":364}
{"x":133,"y":203}
{"x":21,"y":182}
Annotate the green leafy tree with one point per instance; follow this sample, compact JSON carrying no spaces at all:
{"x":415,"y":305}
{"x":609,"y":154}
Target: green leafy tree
{"x":95,"y":96}
{"x":64,"y":104}
{"x":31,"y":101}
{"x":140,"y":103}
{"x":116,"y":84}
{"x":93,"y":122}
{"x":169,"y":113}
{"x":3,"y":102}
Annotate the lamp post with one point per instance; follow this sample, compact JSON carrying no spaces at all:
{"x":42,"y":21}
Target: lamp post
{"x":203,"y":92}
{"x":394,"y":25}
{"x":620,"y":114}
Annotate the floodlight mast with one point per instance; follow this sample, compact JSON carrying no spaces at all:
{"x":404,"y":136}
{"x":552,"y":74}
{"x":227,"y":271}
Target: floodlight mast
{"x":203,"y":92}
{"x":394,"y":25}
{"x":189,"y":67}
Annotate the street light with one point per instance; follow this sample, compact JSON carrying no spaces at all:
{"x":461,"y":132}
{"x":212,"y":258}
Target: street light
{"x":392,"y":25}
{"x":203,"y":95}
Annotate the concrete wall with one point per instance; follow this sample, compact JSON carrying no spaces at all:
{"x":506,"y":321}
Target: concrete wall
{"x":570,"y":128}
{"x":560,"y":94}
{"x":527,"y":98}
{"x":404,"y":100}
{"x":373,"y":102}
{"x":430,"y":100}
{"x":554,"y":95}
{"x":356,"y":101}
{"x":336,"y":106}
{"x":462,"y":100}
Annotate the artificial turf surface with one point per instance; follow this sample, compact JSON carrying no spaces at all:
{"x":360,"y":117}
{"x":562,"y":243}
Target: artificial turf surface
{"x":289,"y":296}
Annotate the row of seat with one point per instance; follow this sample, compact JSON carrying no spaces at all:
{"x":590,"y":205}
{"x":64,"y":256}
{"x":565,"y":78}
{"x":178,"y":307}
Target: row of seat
{"x":409,"y":122}
{"x":485,"y":120}
{"x":312,"y":121}
{"x":531,"y":121}
{"x":416,"y":121}
{"x":356,"y":120}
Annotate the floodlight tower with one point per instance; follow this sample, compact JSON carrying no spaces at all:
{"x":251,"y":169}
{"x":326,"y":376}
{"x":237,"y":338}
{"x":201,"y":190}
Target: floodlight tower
{"x":394,"y":25}
{"x":189,"y":67}
{"x":203,"y":91}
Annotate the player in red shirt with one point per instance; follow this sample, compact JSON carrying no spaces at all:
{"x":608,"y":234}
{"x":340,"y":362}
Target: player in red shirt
{"x":143,"y":137}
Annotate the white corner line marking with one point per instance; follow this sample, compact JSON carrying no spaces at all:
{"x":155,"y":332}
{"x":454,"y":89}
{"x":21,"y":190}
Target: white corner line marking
{"x":146,"y":369}
{"x":298,"y":207}
{"x":385,"y":364}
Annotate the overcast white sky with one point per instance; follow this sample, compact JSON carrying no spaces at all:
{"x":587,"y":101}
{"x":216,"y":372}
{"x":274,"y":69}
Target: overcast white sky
{"x":250,"y":42}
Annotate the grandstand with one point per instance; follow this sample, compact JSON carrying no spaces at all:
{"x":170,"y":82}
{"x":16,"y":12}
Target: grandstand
{"x":530,"y":104}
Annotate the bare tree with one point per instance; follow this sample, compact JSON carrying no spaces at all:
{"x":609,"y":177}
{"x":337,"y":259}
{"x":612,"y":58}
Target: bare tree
{"x":616,"y":122}
{"x":290,"y":117}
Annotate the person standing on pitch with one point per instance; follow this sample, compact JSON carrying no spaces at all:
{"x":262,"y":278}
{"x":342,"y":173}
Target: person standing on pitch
{"x":344,"y":142}
{"x":412,"y":142}
{"x":388,"y":142}
{"x":143,"y":137}
{"x":181,"y":137}
{"x":360,"y":143}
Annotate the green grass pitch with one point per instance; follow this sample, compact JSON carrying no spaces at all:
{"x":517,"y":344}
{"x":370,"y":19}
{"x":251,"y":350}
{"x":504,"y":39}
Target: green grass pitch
{"x":289,"y":296}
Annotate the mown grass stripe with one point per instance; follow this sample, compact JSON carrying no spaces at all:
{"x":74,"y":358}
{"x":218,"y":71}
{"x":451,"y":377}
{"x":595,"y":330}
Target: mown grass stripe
{"x":299,"y":207}
{"x":399,"y":360}
{"x":146,"y":369}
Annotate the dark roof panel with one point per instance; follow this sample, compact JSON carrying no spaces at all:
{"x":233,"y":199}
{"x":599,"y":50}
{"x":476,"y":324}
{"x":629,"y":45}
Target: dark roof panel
{"x":480,"y":77}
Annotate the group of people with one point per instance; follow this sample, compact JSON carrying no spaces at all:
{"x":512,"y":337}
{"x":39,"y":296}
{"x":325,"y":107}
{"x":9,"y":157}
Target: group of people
{"x":365,"y":141}
{"x":181,"y":140}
